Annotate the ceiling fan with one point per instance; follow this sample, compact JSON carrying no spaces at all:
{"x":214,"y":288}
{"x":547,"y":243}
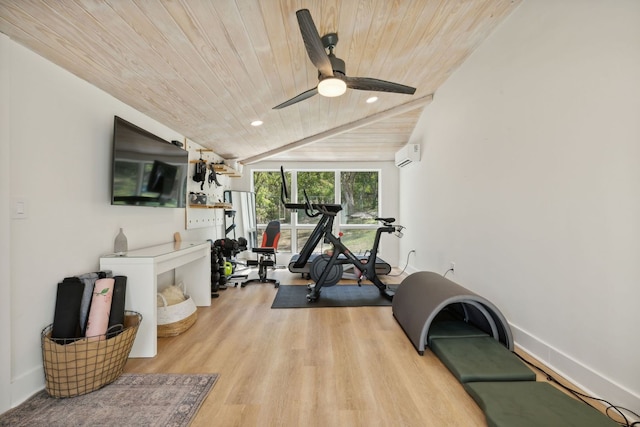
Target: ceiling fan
{"x":331,"y":70}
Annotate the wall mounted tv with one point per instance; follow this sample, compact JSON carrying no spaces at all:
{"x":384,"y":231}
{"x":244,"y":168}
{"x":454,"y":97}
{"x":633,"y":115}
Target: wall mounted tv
{"x":147,"y":170}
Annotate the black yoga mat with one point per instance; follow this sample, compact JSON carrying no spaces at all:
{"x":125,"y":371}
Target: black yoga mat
{"x":66,"y":317}
{"x":116,"y":316}
{"x":295,"y":296}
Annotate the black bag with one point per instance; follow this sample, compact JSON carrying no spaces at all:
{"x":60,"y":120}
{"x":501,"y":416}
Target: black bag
{"x":200,"y":174}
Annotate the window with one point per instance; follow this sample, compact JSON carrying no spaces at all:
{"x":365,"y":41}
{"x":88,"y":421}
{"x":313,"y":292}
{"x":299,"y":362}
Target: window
{"x":359,"y":241}
{"x":320,"y":188}
{"x":356,"y":191}
{"x":269,"y":207}
{"x":359,"y":197}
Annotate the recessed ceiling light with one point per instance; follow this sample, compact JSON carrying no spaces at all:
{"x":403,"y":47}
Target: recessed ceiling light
{"x":372,"y":100}
{"x":256,"y":123}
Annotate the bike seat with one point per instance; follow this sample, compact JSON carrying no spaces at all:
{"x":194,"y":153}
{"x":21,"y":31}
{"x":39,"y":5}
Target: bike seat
{"x":386,"y":220}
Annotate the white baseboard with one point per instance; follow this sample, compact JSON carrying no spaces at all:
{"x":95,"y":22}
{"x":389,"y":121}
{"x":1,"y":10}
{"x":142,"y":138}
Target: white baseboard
{"x":591,"y":382}
{"x":26,"y":385}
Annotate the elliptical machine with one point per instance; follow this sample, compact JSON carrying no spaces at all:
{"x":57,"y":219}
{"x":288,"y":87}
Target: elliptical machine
{"x":326,"y":270}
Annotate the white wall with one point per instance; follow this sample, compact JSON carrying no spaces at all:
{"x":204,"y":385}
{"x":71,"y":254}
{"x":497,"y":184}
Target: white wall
{"x":530,"y":183}
{"x":388,"y":202}
{"x":5,"y":259}
{"x":56,"y":154}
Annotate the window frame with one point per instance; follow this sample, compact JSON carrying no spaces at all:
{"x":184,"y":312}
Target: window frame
{"x":294,"y":226}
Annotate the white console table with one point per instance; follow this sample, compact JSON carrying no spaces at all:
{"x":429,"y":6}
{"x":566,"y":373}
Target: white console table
{"x":192,"y":264}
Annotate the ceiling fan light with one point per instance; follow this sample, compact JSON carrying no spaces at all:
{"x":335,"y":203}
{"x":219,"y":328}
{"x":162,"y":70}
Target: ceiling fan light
{"x":331,"y":87}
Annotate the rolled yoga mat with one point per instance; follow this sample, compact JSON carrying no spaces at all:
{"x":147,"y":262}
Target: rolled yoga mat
{"x":89,"y":280}
{"x":66,"y":317}
{"x":116,"y":317}
{"x":98,"y":322}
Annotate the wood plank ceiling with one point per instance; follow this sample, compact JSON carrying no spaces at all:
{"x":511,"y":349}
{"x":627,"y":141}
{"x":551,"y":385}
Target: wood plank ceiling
{"x":208,"y":68}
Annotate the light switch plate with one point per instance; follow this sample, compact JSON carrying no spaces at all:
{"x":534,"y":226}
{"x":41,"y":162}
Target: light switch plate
{"x":19,"y":208}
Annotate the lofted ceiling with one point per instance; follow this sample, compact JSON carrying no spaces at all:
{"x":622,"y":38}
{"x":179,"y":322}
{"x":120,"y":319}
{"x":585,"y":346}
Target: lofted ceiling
{"x":208,"y":68}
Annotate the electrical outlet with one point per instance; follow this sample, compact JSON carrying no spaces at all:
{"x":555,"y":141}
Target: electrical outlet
{"x":452,"y":266}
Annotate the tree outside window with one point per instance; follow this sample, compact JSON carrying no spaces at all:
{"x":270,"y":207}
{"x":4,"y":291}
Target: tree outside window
{"x":269,"y":207}
{"x":359,"y":197}
{"x":320,"y":188}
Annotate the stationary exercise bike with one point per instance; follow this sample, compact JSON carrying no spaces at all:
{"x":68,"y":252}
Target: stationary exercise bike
{"x":326,"y":270}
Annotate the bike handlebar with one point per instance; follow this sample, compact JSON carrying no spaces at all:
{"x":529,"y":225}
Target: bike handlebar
{"x":329,"y":209}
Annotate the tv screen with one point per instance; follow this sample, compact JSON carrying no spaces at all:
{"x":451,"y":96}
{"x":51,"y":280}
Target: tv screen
{"x":147,"y":170}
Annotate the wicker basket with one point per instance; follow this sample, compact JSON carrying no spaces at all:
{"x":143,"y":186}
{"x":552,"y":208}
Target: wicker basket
{"x":73,"y":367}
{"x":176,"y":318}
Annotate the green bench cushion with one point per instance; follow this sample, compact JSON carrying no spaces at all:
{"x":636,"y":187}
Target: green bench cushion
{"x":480,"y":359}
{"x":452,"y":329}
{"x":532,"y":404}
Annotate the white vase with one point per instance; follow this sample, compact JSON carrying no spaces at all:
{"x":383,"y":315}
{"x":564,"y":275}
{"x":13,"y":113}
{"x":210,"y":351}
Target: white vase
{"x":120,"y":244}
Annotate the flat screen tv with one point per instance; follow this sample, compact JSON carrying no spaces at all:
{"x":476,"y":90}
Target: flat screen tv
{"x":147,"y":170}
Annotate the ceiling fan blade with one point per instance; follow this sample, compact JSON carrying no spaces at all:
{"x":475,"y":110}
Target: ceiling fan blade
{"x":367,"y":83}
{"x":304,"y":95}
{"x":313,"y":43}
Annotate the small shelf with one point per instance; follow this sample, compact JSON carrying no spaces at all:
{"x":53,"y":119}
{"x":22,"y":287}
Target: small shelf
{"x":223,"y":169}
{"x":213,"y":206}
{"x":226,"y":170}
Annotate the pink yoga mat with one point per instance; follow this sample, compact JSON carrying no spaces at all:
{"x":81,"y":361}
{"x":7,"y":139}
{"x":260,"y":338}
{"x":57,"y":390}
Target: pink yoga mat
{"x":100,"y":307}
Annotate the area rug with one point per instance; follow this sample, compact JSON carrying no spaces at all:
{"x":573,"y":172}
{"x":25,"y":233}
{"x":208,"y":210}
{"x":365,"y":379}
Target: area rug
{"x":131,"y":400}
{"x":295,"y":296}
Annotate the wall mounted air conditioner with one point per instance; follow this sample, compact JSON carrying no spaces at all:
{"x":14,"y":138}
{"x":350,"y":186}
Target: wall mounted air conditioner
{"x":408,"y":154}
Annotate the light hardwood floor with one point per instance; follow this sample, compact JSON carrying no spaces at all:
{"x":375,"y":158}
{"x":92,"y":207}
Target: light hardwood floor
{"x":310,"y":367}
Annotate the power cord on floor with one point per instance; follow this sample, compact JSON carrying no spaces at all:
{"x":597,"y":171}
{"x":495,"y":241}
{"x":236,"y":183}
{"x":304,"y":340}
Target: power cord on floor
{"x":412,"y":251}
{"x":582,"y":397}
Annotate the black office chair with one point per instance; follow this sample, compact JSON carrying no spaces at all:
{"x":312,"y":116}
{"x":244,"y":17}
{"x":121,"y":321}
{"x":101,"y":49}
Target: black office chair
{"x":266,"y":254}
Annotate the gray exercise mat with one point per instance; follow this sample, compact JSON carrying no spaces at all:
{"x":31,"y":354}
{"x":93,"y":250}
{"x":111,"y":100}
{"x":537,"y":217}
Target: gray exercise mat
{"x":295,"y":296}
